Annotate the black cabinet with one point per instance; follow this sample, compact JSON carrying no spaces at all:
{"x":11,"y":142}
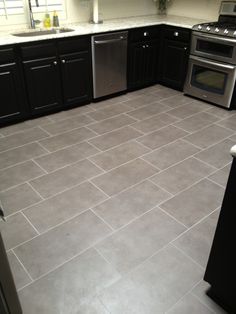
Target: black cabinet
{"x":174,"y":57}
{"x":143,"y":57}
{"x":13,"y":106}
{"x":43,"y":84}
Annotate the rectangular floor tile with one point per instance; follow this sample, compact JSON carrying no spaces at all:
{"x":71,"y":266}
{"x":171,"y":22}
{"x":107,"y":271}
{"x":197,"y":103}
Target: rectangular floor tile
{"x":217,"y":155}
{"x":59,"y":180}
{"x":115,"y":138}
{"x":119,"y":155}
{"x":66,"y":139}
{"x":171,"y":154}
{"x":221,"y":176}
{"x":140,"y":100}
{"x":154,"y":123}
{"x":148,"y":111}
{"x":162,"y":137}
{"x":108,"y":112}
{"x":182,"y":175}
{"x":197,"y":241}
{"x":131,"y":245}
{"x":124,"y":207}
{"x":69,"y":287}
{"x":20,"y":154}
{"x":111,"y":124}
{"x":18,"y":198}
{"x":195,"y":203}
{"x":94,"y":306}
{"x":229,"y":123}
{"x":62,"y":115}
{"x":124,"y":176}
{"x":220,"y":112}
{"x":66,"y":156}
{"x":186,"y":110}
{"x":64,"y":206}
{"x":21,"y":278}
{"x":60,"y":244}
{"x":19,"y":174}
{"x":16,"y":230}
{"x":197,"y":122}
{"x":208,"y":136}
{"x":164,"y":93}
{"x":21,"y":138}
{"x":67,"y":124}
{"x":176,"y":101}
{"x":155,"y":286}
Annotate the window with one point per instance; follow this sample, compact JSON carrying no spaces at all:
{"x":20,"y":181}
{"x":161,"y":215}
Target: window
{"x":46,"y":5}
{"x":10,"y":7}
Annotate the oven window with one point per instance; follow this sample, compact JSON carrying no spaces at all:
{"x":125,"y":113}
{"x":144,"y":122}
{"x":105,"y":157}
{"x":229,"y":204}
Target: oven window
{"x":215,"y":48}
{"x":208,"y":79}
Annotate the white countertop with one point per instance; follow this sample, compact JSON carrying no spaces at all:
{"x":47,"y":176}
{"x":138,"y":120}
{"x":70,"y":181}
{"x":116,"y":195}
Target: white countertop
{"x":108,"y":25}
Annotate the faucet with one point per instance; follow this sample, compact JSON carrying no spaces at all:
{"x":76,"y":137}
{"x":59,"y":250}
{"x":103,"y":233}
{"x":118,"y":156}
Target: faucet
{"x":95,"y":16}
{"x":33,"y":22}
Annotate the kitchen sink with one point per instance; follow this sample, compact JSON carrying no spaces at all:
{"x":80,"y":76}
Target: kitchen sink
{"x":43,"y":32}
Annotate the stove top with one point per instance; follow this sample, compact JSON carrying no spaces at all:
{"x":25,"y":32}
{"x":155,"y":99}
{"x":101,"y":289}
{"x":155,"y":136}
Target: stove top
{"x":226,"y":29}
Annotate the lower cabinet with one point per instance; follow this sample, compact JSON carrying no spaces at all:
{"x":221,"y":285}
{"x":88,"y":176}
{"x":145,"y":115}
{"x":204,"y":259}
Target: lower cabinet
{"x":43,"y":84}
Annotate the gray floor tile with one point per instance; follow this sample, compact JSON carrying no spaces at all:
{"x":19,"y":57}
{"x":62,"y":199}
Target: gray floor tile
{"x":233,"y":137}
{"x":229,"y":123}
{"x":108,"y":112}
{"x":124,"y":176}
{"x":208,"y":136}
{"x":124,"y":207}
{"x":171,"y":154}
{"x":154,"y":123}
{"x":164,"y":93}
{"x":220,"y":112}
{"x":95,"y":306}
{"x":155,"y":286}
{"x":217,"y":155}
{"x":186,"y":110}
{"x":130,"y":246}
{"x":67,"y":124}
{"x":66,"y":156}
{"x":197,"y":122}
{"x":69,"y":287}
{"x":20,"y":276}
{"x":19,"y":174}
{"x":200,"y":292}
{"x":51,"y":249}
{"x":162,"y":137}
{"x":111,"y":124}
{"x":195,"y":203}
{"x":115,"y":138}
{"x":16,"y":230}
{"x":21,"y":138}
{"x":59,"y":116}
{"x":64,"y":206}
{"x":140,"y":100}
{"x":221,"y":176}
{"x":148,"y":111}
{"x":20,"y":154}
{"x":66,"y":139}
{"x":18,"y":198}
{"x":197,"y":241}
{"x":190,"y":304}
{"x":119,"y":155}
{"x":59,"y":180}
{"x":182,"y":175}
{"x":176,"y":101}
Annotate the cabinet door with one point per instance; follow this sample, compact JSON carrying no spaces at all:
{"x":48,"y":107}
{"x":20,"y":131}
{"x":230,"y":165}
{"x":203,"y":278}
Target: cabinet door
{"x":136,"y":68}
{"x":151,"y":63}
{"x":174,"y":62}
{"x":43,"y":84}
{"x":12,"y":105}
{"x":76,"y":78}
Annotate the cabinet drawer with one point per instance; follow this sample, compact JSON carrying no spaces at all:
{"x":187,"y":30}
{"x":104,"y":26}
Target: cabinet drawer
{"x":6,"y":55}
{"x":175,"y":33}
{"x":73,"y":45}
{"x":41,"y":50}
{"x":144,"y":33}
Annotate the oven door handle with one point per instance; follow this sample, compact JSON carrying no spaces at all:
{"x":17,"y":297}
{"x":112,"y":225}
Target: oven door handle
{"x":220,"y":65}
{"x":215,"y":38}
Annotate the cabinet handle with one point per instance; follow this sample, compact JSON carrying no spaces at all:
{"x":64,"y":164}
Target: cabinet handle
{"x":63,"y":61}
{"x":144,"y":46}
{"x":185,"y":48}
{"x":147,"y":46}
{"x":176,"y":34}
{"x":55,"y":62}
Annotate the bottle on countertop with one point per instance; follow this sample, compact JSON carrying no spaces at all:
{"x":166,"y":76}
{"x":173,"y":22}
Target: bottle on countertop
{"x":47,"y":21}
{"x":55,"y":22}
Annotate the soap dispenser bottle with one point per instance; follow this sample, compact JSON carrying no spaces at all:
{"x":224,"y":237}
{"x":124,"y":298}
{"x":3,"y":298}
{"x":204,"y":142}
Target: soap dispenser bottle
{"x":47,"y":21}
{"x":55,"y":22}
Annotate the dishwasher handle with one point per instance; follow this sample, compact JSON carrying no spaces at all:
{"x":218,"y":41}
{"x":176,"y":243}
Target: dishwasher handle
{"x":108,"y":41}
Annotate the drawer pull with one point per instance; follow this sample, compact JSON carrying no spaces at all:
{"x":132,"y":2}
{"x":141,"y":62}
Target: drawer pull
{"x":63,"y":61}
{"x":55,"y":62}
{"x":145,"y":34}
{"x":176,"y":34}
{"x":147,"y":46}
{"x":144,"y":46}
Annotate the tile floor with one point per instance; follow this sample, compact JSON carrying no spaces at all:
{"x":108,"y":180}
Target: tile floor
{"x":112,"y":207}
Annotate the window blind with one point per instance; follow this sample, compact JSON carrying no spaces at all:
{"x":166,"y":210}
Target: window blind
{"x":9,"y":7}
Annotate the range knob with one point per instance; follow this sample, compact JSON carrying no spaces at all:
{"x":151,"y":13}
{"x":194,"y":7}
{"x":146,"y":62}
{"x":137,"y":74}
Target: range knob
{"x":226,"y":31}
{"x":208,"y":28}
{"x":217,"y":30}
{"x":199,"y":27}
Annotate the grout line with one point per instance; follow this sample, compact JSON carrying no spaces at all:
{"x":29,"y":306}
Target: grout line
{"x":37,"y":164}
{"x":48,"y":151}
{"x":29,"y":183}
{"x":103,"y":220}
{"x":35,"y":229}
{"x":22,"y":265}
{"x":202,"y":302}
{"x":220,"y":185}
{"x":179,"y":222}
{"x":97,"y":187}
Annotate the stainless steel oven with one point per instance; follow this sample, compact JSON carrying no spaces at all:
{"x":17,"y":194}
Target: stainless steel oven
{"x":210,"y":80}
{"x":214,"y":47}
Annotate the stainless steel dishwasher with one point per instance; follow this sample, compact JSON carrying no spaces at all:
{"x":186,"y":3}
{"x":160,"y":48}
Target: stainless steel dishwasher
{"x":109,"y":54}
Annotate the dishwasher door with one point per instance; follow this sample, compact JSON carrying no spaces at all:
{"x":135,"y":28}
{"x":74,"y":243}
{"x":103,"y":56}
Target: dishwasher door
{"x":109,"y":52}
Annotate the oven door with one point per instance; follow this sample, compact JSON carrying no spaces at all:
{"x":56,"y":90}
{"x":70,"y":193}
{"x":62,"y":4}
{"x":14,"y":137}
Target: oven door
{"x":214,"y":47}
{"x":211,"y":81}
